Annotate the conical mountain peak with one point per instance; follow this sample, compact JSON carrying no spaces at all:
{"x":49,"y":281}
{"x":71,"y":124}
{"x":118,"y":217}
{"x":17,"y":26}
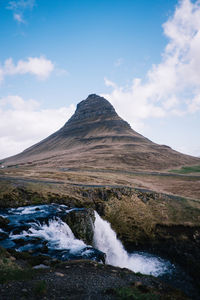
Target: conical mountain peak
{"x":94,"y":114}
{"x":95,"y":136}
{"x":95,"y":103}
{"x":94,"y":107}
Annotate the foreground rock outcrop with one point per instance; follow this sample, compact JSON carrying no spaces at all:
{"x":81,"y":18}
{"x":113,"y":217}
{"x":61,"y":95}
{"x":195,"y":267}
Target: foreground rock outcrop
{"x":20,"y":279}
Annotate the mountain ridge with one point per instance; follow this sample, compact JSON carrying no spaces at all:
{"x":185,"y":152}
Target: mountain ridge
{"x":95,"y":136}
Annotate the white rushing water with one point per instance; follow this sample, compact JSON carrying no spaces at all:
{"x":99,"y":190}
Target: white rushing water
{"x":105,"y":240}
{"x":59,"y":236}
{"x":56,"y":232}
{"x":32,"y":209}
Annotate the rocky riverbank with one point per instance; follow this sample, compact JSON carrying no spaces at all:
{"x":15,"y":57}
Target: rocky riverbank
{"x":22,"y":277}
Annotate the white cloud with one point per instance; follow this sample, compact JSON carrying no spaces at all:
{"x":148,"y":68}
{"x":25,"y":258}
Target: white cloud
{"x":38,"y":66}
{"x":132,"y":103}
{"x":173,"y":86}
{"x":18,"y":18}
{"x":1,"y":75}
{"x":21,"y":4}
{"x":24,"y":123}
{"x":194,"y":105}
{"x":19,"y":7}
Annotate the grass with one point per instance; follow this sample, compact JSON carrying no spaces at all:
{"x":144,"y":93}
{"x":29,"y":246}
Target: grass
{"x":187,"y":170}
{"x":9,"y":270}
{"x":40,"y":288}
{"x":132,"y":293}
{"x":12,"y":273}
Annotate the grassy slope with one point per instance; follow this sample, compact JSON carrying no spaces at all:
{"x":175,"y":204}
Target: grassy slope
{"x":187,"y":170}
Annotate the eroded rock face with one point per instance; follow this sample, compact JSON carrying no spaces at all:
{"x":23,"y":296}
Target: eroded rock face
{"x":92,"y":108}
{"x":95,"y":114}
{"x":81,"y":223}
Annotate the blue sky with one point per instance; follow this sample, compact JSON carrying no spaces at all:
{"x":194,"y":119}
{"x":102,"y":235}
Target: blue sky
{"x":142,"y":55}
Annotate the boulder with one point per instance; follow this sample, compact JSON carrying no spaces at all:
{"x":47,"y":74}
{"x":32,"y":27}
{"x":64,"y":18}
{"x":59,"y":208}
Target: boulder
{"x":81,"y":222}
{"x":3,"y":222}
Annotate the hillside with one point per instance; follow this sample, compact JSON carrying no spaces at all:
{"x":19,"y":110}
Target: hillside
{"x":96,"y":137}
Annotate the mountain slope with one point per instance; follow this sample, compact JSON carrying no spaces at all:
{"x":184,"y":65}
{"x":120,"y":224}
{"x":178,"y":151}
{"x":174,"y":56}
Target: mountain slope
{"x":95,"y":136}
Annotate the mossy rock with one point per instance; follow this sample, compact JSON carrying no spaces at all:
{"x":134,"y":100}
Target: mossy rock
{"x":81,"y":223}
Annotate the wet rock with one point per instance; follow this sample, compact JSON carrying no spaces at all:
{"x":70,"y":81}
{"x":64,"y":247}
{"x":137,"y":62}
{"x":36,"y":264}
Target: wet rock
{"x":59,"y":274}
{"x":81,"y":223}
{"x":41,"y":266}
{"x":94,"y":254}
{"x":3,"y":235}
{"x":3,"y":222}
{"x":20,"y":242}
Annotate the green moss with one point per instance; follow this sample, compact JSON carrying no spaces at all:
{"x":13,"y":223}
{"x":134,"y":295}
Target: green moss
{"x":10,"y":270}
{"x":126,"y":293}
{"x":13,"y":273}
{"x":40,"y":288}
{"x":36,"y":200}
{"x":187,"y":170}
{"x":3,"y":252}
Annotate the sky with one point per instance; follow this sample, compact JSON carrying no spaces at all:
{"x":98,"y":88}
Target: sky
{"x":143,"y":56}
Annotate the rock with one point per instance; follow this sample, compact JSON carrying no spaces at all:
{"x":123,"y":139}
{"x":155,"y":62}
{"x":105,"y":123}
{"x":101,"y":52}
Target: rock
{"x":3,"y":235}
{"x":95,"y":254}
{"x":3,"y":222}
{"x":59,"y":274}
{"x":12,"y":258}
{"x":41,"y":266}
{"x":138,"y":283}
{"x":81,"y":223}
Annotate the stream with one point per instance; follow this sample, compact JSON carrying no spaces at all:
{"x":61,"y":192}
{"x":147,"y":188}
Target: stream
{"x":40,"y":230}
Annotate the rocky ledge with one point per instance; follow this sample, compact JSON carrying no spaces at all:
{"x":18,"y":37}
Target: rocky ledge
{"x":81,"y":223}
{"x":21,"y":278}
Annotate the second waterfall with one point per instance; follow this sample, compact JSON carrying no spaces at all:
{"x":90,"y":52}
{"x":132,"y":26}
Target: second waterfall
{"x":105,"y":239}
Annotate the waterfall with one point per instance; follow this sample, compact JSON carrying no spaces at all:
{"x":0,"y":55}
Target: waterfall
{"x":57,"y":233}
{"x":40,"y":230}
{"x":105,"y":239}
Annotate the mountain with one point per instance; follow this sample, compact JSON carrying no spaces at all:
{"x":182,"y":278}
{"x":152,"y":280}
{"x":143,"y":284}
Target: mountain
{"x":96,"y":137}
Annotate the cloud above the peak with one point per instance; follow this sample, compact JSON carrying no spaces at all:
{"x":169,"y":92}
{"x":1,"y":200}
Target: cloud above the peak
{"x":24,"y":123}
{"x":171,"y":87}
{"x":38,"y":66}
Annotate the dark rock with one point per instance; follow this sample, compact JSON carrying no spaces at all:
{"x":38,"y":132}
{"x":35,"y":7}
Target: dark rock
{"x":3,"y":222}
{"x":81,"y":223}
{"x":97,"y":110}
{"x":3,"y":235}
{"x":95,"y":254}
{"x":20,"y":242}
